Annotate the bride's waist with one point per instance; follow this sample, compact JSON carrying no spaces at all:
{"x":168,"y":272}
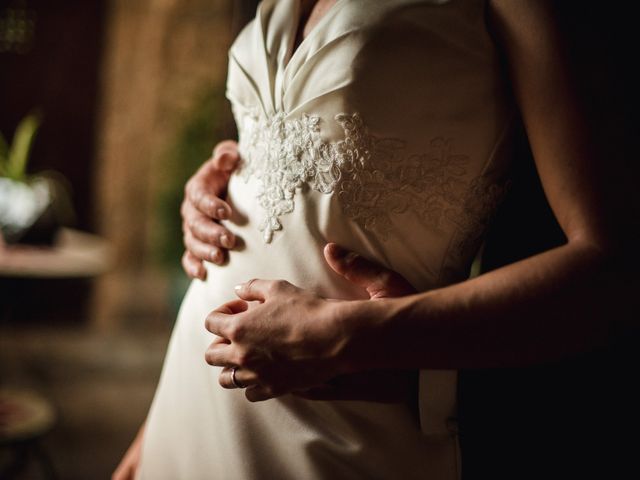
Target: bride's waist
{"x":284,"y":235}
{"x":300,"y":263}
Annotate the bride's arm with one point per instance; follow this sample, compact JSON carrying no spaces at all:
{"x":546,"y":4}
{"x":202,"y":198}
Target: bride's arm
{"x":565,"y":300}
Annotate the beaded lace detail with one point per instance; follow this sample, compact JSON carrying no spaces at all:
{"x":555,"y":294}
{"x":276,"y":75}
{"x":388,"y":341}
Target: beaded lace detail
{"x":374,"y":178}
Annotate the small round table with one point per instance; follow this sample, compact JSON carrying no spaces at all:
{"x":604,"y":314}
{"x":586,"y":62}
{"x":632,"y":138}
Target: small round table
{"x":74,"y":254}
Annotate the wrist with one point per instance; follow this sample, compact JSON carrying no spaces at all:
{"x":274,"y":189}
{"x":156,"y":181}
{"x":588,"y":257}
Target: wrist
{"x":364,"y":328}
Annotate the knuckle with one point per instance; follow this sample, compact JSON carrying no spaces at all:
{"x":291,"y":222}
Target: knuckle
{"x":274,"y":287}
{"x":209,"y":322}
{"x":196,"y":195}
{"x":278,"y":286}
{"x":242,"y":358}
{"x":248,"y":285}
{"x":206,"y":233}
{"x":237,"y":332}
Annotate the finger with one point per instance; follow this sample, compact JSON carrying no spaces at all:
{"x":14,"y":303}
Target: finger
{"x":232,"y":307}
{"x":204,"y":229}
{"x":193,"y":266}
{"x":202,"y":250}
{"x":206,"y":201}
{"x":259,"y":393}
{"x":219,"y":320}
{"x":220,"y":355}
{"x":225,"y":145}
{"x":243,"y":376}
{"x":226,"y":156}
{"x":260,"y":290}
{"x":376,"y":279}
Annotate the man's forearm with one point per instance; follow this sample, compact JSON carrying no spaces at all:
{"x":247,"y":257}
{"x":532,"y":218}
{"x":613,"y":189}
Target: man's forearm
{"x":563,"y":301}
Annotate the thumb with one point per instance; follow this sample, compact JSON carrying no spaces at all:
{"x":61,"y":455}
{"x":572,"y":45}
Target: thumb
{"x":378,"y":281}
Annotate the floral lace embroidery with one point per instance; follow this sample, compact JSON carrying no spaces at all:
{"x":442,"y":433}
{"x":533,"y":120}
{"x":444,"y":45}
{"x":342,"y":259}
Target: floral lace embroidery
{"x":382,"y":180}
{"x":285,"y":155}
{"x":373,"y":177}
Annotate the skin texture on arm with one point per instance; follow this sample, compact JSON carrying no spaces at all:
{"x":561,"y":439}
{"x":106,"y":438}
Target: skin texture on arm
{"x":563,"y":301}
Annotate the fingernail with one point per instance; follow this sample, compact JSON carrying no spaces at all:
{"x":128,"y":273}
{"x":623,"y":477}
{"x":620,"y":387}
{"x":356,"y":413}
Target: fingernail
{"x":237,"y":287}
{"x":215,"y":256}
{"x":222,"y":213}
{"x":225,"y":240}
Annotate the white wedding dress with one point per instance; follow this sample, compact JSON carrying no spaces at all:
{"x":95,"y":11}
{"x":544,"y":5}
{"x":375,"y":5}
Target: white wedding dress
{"x":387,"y":131}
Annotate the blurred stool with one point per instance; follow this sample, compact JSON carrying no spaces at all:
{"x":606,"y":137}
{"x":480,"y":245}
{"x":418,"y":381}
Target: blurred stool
{"x":25,"y":417}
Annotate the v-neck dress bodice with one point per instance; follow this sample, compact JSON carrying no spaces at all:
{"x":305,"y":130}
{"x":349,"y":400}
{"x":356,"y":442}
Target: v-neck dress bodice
{"x":387,"y":131}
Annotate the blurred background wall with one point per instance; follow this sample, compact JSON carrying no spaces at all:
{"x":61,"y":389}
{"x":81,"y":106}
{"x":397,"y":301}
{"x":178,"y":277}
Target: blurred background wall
{"x":131,"y":94}
{"x":162,"y":109}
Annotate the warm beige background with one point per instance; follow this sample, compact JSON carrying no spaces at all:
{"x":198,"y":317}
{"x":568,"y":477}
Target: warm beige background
{"x":159,"y":55}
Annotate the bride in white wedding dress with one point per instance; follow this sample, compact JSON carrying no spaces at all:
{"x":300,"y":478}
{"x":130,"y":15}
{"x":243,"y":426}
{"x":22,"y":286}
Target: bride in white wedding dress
{"x":388,"y":131}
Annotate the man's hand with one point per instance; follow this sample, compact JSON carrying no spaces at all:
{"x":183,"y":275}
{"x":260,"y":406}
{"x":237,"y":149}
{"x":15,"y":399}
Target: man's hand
{"x":202,"y":207}
{"x":279,"y":352}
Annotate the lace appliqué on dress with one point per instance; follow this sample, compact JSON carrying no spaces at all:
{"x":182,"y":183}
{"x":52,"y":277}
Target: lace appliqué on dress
{"x":285,"y":155}
{"x":374,"y":178}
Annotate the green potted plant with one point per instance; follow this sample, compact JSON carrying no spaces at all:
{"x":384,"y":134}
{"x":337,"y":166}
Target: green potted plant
{"x":32,"y":207}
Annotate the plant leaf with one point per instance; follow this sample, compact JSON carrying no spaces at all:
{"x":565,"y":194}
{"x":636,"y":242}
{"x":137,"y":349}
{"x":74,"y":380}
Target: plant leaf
{"x":16,"y":165}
